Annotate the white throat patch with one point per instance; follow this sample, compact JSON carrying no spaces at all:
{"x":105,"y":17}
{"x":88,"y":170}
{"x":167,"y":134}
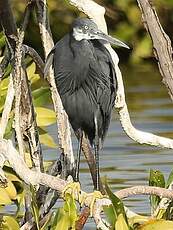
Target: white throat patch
{"x":79,"y":35}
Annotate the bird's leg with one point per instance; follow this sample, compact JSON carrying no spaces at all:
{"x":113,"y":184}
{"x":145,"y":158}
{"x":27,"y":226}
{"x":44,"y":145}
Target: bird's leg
{"x":78,"y":156}
{"x":73,"y":188}
{"x":96,"y":146}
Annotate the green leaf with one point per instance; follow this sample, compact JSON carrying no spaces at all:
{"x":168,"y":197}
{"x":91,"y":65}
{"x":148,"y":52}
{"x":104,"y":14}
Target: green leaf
{"x":121,"y":223}
{"x":2,"y":101}
{"x":2,"y":40}
{"x":116,"y":202}
{"x":11,"y":190}
{"x":170,"y":179}
{"x":9,"y":128}
{"x":156,"y":179}
{"x":47,"y":222}
{"x":117,"y":205}
{"x":9,"y":223}
{"x":4,"y":197}
{"x":45,"y":116}
{"x":70,"y":207}
{"x":46,"y":139}
{"x":41,"y":96}
{"x":11,"y":174}
{"x":66,"y":216}
{"x":33,"y":77}
{"x":34,"y":207}
{"x":4,"y":86}
{"x":61,"y":220}
{"x":157,"y":225}
{"x":109,"y":212}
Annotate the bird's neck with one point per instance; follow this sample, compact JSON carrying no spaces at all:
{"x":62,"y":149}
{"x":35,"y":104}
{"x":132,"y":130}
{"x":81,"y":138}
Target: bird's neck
{"x":79,"y":48}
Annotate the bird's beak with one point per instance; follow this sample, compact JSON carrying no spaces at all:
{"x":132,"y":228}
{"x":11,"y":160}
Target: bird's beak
{"x":100,"y":35}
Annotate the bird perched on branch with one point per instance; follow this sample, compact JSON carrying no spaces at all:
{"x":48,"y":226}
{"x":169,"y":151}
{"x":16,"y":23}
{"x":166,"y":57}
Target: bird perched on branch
{"x":86,"y":81}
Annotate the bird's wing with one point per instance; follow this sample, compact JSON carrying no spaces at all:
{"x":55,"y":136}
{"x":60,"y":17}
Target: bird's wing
{"x":102,"y":69}
{"x":50,"y":57}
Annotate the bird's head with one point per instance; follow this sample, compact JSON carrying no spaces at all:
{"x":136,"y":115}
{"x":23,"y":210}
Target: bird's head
{"x":84,"y":28}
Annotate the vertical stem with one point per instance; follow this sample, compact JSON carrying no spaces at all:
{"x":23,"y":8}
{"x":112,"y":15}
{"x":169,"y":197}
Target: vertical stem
{"x":7,"y":107}
{"x":64,"y":134}
{"x":17,"y":76}
{"x":8,"y":22}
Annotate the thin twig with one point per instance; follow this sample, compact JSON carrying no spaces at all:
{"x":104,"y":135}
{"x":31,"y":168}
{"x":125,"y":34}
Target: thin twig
{"x":4,"y":63}
{"x":36,"y":58}
{"x":7,"y":107}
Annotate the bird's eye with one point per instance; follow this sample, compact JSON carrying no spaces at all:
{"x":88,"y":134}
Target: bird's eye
{"x":86,"y":27}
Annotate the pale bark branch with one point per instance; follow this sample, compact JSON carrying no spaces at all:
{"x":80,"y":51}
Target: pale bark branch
{"x":163,"y":53}
{"x":4,"y":62}
{"x":89,"y":7}
{"x":34,"y":178}
{"x":161,"y":43}
{"x":17,"y":78}
{"x":7,"y":107}
{"x":64,"y":134}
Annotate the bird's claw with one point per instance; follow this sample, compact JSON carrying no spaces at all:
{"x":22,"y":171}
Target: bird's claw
{"x":72,"y":188}
{"x":94,"y":196}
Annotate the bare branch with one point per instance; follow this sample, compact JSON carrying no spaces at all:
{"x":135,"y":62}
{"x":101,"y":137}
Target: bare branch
{"x":17,"y":76}
{"x":33,"y":177}
{"x":4,"y":63}
{"x":64,"y":134}
{"x":145,"y":190}
{"x":82,"y":218}
{"x":141,"y":136}
{"x":161,"y":43}
{"x":120,"y":104}
{"x":7,"y":107}
{"x":36,"y":58}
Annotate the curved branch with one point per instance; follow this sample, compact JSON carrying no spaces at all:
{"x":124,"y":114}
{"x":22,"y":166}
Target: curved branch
{"x":90,"y":8}
{"x":34,"y":177}
{"x":8,"y":151}
{"x":140,"y":136}
{"x":64,"y":134}
{"x":36,"y":58}
{"x":144,"y":190}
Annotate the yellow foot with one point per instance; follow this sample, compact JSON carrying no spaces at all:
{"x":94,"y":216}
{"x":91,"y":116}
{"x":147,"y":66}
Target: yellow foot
{"x":72,"y":188}
{"x":94,"y":196}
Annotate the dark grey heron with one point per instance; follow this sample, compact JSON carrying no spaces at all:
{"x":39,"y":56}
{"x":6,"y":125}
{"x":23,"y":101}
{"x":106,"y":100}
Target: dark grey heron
{"x":86,"y":81}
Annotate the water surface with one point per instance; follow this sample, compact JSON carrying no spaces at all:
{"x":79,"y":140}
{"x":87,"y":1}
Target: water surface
{"x":124,"y":162}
